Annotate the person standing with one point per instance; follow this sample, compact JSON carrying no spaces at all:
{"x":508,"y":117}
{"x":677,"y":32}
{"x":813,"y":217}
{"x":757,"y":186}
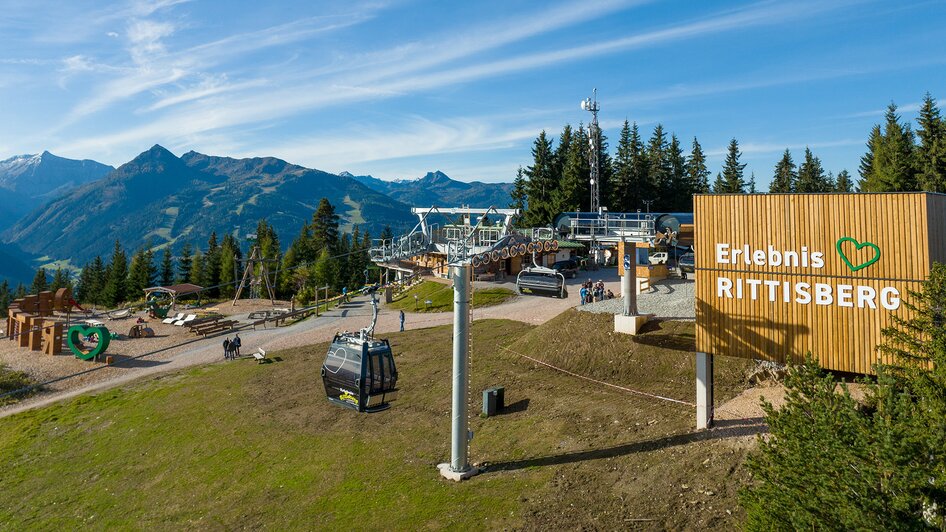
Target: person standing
{"x":402,"y":321}
{"x":235,"y":346}
{"x":345,"y":294}
{"x":583,"y":293}
{"x":226,"y":348}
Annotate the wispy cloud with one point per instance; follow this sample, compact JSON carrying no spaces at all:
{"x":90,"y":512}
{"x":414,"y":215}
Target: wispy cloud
{"x":757,"y":148}
{"x":208,"y":87}
{"x":908,"y":108}
{"x":400,"y":79}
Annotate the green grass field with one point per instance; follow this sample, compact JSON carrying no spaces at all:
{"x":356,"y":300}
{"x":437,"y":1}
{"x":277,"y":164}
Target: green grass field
{"x":12,"y":380}
{"x":242,"y":445}
{"x":440,"y":296}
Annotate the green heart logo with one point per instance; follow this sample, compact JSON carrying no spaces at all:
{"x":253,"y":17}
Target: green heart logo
{"x":857,"y":246}
{"x":80,"y":349}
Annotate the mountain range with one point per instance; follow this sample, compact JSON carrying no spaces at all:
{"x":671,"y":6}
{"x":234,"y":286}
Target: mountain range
{"x":160,"y":200}
{"x":28,"y":181}
{"x":436,"y":189}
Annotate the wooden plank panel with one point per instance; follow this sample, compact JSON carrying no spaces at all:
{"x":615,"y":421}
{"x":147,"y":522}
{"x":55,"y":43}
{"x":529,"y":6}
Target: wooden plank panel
{"x":741,"y":305}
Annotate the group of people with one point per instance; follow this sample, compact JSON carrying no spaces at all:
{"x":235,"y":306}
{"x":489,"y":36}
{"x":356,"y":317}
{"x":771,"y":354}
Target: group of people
{"x":591,"y":292}
{"x":231,"y":348}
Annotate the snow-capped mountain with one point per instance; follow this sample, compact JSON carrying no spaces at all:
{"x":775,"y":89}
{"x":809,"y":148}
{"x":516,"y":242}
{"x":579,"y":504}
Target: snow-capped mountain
{"x":28,"y":181}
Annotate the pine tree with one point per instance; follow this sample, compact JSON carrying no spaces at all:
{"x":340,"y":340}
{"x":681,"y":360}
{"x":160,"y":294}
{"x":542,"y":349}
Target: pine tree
{"x":184,"y":263}
{"x":151,"y":268}
{"x":325,"y":227}
{"x":697,"y":172}
{"x":573,"y":194}
{"x":325,"y":271}
{"x":752,"y":189}
{"x":844,"y":183}
{"x":931,"y":153}
{"x":40,"y":282}
{"x":623,"y":173}
{"x":786,"y":177}
{"x":167,"y":268}
{"x":874,"y":464}
{"x":658,"y":169}
{"x":518,"y":194}
{"x":5,"y":297}
{"x":138,"y":275}
{"x":562,"y":151}
{"x":20,"y":291}
{"x":211,"y":272}
{"x":680,"y":199}
{"x":91,"y":286}
{"x":891,"y":162}
{"x":61,"y":280}
{"x":197,"y":266}
{"x":542,"y":183}
{"x":84,"y":284}
{"x":605,"y":175}
{"x":733,"y":176}
{"x":719,"y":186}
{"x":343,"y":260}
{"x":642,"y":185}
{"x":866,"y":168}
{"x":230,"y":254}
{"x":359,"y":260}
{"x":116,"y":281}
{"x":811,"y":177}
{"x":267,"y":240}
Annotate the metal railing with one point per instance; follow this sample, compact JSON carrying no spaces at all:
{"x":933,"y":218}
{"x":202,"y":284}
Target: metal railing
{"x":611,"y":228}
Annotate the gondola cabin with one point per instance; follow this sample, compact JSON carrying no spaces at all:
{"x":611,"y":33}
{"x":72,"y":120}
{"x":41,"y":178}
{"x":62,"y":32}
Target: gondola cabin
{"x":359,"y":373}
{"x":541,"y":281}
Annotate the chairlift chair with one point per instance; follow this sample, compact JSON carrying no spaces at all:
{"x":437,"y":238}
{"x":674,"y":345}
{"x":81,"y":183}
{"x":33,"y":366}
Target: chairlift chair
{"x":541,"y":281}
{"x":359,"y":370}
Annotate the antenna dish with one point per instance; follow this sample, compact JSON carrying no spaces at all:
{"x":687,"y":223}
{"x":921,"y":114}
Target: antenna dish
{"x":584,"y":105}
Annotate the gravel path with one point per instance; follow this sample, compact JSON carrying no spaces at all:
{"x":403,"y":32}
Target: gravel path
{"x":173,"y":356}
{"x":671,"y":299}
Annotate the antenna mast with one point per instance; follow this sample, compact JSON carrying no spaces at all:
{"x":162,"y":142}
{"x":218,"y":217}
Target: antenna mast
{"x":594,"y":136}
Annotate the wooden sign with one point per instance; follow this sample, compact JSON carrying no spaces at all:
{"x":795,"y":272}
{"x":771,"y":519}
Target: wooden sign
{"x":781,"y":275}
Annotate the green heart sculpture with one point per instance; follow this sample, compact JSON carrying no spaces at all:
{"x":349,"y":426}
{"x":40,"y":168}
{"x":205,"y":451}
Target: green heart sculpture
{"x":80,"y":350}
{"x":857,"y":246}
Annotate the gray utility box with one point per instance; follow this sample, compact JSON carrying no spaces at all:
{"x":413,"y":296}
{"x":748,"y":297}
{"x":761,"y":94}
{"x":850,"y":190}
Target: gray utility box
{"x":493,"y":400}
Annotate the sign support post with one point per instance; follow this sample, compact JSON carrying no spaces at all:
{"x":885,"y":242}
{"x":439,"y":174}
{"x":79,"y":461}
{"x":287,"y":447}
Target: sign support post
{"x":704,"y":391}
{"x":631,"y":321}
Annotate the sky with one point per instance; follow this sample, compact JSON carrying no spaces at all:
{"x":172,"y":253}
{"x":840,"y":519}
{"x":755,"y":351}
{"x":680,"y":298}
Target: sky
{"x":399,"y":88}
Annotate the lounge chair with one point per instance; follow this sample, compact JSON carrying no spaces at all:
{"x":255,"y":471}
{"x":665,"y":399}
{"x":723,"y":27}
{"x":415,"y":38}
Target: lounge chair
{"x":180,"y":316}
{"x":190,"y":317}
{"x":119,"y":314}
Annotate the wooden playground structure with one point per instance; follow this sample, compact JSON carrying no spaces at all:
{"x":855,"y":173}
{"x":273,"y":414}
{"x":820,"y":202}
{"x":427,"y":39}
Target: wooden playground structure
{"x":33,"y":321}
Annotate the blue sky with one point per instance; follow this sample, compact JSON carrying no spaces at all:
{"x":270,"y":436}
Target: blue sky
{"x":399,"y":88}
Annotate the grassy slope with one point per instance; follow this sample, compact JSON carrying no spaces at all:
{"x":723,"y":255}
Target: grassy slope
{"x":247,"y":445}
{"x":441,"y":297}
{"x":12,"y":380}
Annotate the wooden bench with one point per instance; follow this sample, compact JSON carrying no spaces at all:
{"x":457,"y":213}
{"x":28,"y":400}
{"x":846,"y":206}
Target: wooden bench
{"x":260,"y":355}
{"x":214,"y":326}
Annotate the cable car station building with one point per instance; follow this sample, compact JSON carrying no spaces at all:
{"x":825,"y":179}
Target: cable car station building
{"x":782,"y":275}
